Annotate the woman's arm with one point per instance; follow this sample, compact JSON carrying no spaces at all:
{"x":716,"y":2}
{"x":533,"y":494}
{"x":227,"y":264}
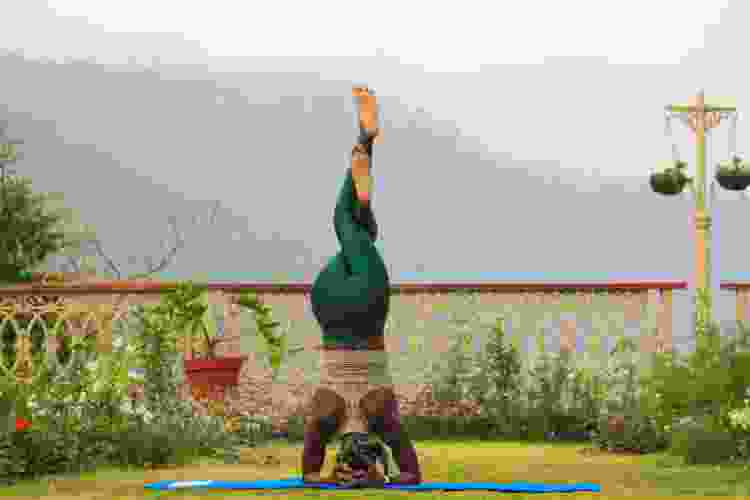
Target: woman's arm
{"x":403,"y":449}
{"x":321,"y":423}
{"x":313,"y":455}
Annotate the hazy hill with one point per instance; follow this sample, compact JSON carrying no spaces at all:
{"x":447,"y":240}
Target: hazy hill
{"x":130,"y":147}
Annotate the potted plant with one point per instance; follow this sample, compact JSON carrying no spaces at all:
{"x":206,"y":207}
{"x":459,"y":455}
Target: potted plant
{"x":733,"y":174}
{"x":671,"y":181}
{"x":195,"y":316}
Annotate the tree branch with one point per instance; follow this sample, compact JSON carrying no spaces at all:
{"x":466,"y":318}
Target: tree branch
{"x":74,"y":263}
{"x":167,"y":259}
{"x":100,"y":251}
{"x":151,"y":268}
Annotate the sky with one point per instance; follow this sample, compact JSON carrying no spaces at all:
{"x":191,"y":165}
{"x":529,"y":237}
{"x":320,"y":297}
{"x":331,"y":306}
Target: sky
{"x":448,"y":37}
{"x":431,"y":44}
{"x":556,"y":106}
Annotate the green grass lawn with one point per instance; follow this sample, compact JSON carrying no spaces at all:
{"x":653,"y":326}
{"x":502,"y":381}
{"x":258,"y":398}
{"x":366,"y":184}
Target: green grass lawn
{"x":619,"y":476}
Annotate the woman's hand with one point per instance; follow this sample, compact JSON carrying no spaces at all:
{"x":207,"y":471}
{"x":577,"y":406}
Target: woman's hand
{"x":376,"y":473}
{"x":343,"y":473}
{"x":315,"y":477}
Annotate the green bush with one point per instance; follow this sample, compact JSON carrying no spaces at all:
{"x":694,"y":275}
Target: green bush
{"x":692,"y":395}
{"x":253,"y":431}
{"x":29,"y":455}
{"x":496,"y":386}
{"x":296,"y":428}
{"x":703,"y":443}
{"x":567,"y":427}
{"x":507,"y":418}
{"x":80,"y":422}
{"x":157,"y":443}
{"x":486,"y":428}
{"x":639,"y":434}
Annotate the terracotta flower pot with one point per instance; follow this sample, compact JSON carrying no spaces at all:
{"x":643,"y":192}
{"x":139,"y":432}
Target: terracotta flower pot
{"x":215,"y":374}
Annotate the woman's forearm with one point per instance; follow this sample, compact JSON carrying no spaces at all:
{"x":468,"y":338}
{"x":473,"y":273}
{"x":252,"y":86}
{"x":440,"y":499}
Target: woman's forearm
{"x":313,"y":454}
{"x":402,"y":446}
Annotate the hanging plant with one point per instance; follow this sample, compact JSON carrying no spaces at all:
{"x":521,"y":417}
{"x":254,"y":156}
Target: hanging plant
{"x":733,"y":174}
{"x":671,"y":181}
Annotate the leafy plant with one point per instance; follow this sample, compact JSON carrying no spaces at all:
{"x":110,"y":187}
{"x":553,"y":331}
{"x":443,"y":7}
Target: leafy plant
{"x":496,"y":385}
{"x":549,"y":380}
{"x":703,"y":443}
{"x":450,"y":385}
{"x":29,"y":230}
{"x":266,"y":327}
{"x":703,"y":387}
{"x":156,"y":348}
{"x":189,"y":306}
{"x":57,"y":440}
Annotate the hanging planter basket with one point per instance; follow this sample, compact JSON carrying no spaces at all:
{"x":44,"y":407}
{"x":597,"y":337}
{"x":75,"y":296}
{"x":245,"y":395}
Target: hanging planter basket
{"x":214,"y":374}
{"x":671,"y":181}
{"x":734,"y":174}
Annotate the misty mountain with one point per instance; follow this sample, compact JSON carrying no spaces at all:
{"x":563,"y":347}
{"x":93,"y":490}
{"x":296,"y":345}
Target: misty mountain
{"x":130,"y":147}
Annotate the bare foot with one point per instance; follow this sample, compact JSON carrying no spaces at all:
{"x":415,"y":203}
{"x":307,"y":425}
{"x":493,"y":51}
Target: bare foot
{"x":368,"y":112}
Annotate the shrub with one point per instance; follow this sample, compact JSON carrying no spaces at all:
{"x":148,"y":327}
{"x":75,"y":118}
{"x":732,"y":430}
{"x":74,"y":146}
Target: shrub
{"x":81,"y":419}
{"x":27,"y":454}
{"x":252,"y":431}
{"x":496,"y":387}
{"x":499,"y":377}
{"x":30,"y":228}
{"x":550,"y":409}
{"x":449,"y":384}
{"x":702,"y":442}
{"x":635,"y":433}
{"x":295,"y":432}
{"x":697,"y":394}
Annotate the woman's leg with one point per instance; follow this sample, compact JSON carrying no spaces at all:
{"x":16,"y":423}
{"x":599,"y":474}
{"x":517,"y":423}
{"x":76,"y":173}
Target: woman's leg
{"x":354,"y":286}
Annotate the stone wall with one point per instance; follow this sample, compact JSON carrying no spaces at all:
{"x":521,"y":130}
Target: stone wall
{"x":257,"y":394}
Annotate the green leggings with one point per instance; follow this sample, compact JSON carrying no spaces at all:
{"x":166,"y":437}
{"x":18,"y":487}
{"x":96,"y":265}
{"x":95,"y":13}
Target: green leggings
{"x":350,"y":296}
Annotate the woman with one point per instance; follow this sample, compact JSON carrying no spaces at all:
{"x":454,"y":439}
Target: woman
{"x":350,"y":300}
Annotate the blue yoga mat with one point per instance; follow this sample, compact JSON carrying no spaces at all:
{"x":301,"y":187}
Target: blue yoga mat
{"x":519,"y":487}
